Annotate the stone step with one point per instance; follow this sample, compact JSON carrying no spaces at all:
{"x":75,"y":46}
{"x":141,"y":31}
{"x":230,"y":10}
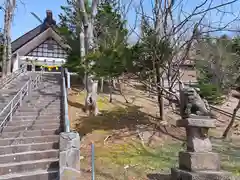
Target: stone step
{"x":29,"y":143}
{"x":28,"y":147}
{"x":31,"y":127}
{"x":43,"y":100}
{"x":40,"y":97}
{"x":3,"y":104}
{"x":34,"y":109}
{"x":38,"y":94}
{"x":29,"y":140}
{"x":53,"y":113}
{"x":38,"y":110}
{"x":36,"y":117}
{"x":9,"y":93}
{"x":30,"y":133}
{"x":50,"y":174}
{"x":28,"y":156}
{"x":19,"y":167}
{"x":31,"y":122}
{"x":41,"y":105}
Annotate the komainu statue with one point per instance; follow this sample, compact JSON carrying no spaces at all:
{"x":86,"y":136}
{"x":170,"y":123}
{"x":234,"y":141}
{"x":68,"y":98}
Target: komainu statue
{"x":193,"y":104}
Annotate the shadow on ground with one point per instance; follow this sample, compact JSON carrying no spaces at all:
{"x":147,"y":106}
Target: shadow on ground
{"x":159,"y":176}
{"x":123,"y":116}
{"x":116,"y":119}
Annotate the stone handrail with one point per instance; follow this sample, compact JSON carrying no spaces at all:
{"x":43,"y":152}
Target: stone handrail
{"x":65,"y":103}
{"x":69,"y":148}
{"x":7,"y":112}
{"x":10,"y":77}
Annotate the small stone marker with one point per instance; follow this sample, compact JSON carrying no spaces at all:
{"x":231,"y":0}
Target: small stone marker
{"x":198,"y":162}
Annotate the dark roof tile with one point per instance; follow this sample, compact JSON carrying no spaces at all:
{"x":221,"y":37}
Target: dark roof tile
{"x":18,"y":43}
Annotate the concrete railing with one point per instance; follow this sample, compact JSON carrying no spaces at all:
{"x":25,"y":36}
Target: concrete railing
{"x":8,"y":110}
{"x":69,"y":156}
{"x":65,"y":103}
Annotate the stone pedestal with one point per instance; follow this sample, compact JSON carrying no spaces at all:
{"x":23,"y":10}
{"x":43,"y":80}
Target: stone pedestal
{"x":178,"y":174}
{"x":191,"y":161}
{"x":69,"y":157}
{"x":198,"y":162}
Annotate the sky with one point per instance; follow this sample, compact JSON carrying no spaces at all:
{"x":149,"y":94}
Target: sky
{"x":24,"y":20}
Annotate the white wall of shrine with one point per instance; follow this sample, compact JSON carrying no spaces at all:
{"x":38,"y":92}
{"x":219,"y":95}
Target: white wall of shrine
{"x":36,"y":61}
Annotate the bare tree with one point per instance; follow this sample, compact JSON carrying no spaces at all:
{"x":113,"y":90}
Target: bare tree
{"x":10,"y":6}
{"x":174,"y":31}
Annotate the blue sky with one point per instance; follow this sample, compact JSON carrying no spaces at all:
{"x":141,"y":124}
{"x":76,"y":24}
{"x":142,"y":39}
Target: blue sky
{"x":24,"y":21}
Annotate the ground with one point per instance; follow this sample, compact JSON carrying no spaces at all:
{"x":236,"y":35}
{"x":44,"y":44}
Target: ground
{"x":127,"y":143}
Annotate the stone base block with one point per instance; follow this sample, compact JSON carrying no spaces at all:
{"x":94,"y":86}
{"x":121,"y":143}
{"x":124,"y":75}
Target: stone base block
{"x":193,"y":161}
{"x":69,"y":174}
{"x":178,"y":174}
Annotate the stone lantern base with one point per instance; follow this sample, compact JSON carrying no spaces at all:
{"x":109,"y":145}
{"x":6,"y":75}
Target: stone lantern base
{"x":179,"y":174}
{"x":198,"y":162}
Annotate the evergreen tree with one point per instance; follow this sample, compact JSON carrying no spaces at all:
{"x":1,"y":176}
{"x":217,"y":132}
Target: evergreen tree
{"x":112,"y":53}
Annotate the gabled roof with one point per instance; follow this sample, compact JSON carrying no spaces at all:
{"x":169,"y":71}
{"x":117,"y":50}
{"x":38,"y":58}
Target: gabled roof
{"x":36,"y":33}
{"x":18,"y":43}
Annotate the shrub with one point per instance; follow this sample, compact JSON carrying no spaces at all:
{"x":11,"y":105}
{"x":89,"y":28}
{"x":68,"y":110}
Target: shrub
{"x":211,"y":93}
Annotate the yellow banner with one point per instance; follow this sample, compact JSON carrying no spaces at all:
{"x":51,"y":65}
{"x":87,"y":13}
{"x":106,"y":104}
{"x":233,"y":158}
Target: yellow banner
{"x":45,"y":66}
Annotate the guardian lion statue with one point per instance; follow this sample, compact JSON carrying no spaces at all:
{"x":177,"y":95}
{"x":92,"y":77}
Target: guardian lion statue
{"x":193,"y":104}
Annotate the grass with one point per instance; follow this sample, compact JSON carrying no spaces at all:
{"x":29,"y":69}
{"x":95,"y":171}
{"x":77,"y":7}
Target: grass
{"x":135,"y":154}
{"x":122,"y":156}
{"x":230,"y":155}
{"x":131,"y":160}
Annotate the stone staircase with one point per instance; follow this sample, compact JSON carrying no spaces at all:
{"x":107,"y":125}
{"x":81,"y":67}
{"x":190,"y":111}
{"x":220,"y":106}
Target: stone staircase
{"x":11,"y":89}
{"x":29,"y":143}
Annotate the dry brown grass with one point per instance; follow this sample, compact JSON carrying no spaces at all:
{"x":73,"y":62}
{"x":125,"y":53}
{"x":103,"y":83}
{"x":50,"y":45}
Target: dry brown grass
{"x":119,"y":152}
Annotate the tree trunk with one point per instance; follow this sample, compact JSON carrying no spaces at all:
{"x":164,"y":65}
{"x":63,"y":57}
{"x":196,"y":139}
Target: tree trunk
{"x":149,"y":88}
{"x":114,"y":82}
{"x":9,"y":55}
{"x":121,"y":83}
{"x":102,"y":85}
{"x":4,"y":60}
{"x":110,"y":85}
{"x":91,"y":98}
{"x":5,"y":44}
{"x":170,"y":86}
{"x":8,"y":17}
{"x":159,"y":91}
{"x":228,"y":129}
{"x":91,"y":86}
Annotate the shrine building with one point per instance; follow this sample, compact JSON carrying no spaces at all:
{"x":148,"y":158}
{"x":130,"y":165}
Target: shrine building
{"x":41,"y":47}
